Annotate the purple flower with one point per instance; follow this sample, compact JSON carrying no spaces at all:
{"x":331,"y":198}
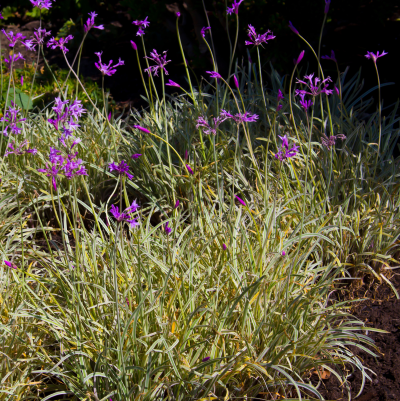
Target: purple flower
{"x":207,"y":128}
{"x":11,"y":117}
{"x":142,"y":25}
{"x":331,"y":141}
{"x":224,"y":247}
{"x":176,"y":204}
{"x":257,"y":39}
{"x":160,"y":60}
{"x":240,"y":200}
{"x":41,"y":4}
{"x":372,"y":56}
{"x":66,"y":115}
{"x":301,"y":55}
{"x":90,"y":23}
{"x":20,"y":149}
{"x":305,"y":103}
{"x":69,"y":166}
{"x":136,"y":156}
{"x":336,"y":90}
{"x":187,"y":153}
{"x":285,"y":153}
{"x":283,"y":253}
{"x":124,"y":216}
{"x":189,"y":169}
{"x":205,"y":359}
{"x":121,"y":168}
{"x":133,"y":45}
{"x":53,"y":43}
{"x":178,"y":14}
{"x":240,"y":118}
{"x":39,"y":36}
{"x":280,"y":95}
{"x":172,"y":83}
{"x":213,"y":74}
{"x":167,"y":229}
{"x":1,"y":17}
{"x":107,"y":69}
{"x":234,"y":8}
{"x":293,"y":28}
{"x":236,"y":81}
{"x":315,"y":87}
{"x":327,"y":4}
{"x":13,"y":39}
{"x":141,"y":129}
{"x":10,"y":264}
{"x":331,"y":57}
{"x":203,"y":31}
{"x":279,"y":107}
{"x":12,"y":59}
{"x":29,"y":44}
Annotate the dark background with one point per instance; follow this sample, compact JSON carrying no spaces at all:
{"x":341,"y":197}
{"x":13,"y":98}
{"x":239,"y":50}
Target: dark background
{"x":352,"y":28}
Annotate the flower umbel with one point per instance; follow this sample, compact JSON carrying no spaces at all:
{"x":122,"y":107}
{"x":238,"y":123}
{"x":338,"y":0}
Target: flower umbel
{"x":13,"y":39}
{"x":42,"y":4}
{"x":90,"y":23}
{"x":54,"y":43}
{"x":315,"y":87}
{"x":124,"y":216}
{"x":142,"y":25}
{"x":285,"y":153}
{"x":374,"y":56}
{"x":234,"y":8}
{"x":20,"y":149}
{"x":107,"y":69}
{"x":210,"y":128}
{"x":257,"y":39}
{"x":11,"y":117}
{"x":12,"y":59}
{"x":240,"y":118}
{"x":122,"y":169}
{"x":160,"y":60}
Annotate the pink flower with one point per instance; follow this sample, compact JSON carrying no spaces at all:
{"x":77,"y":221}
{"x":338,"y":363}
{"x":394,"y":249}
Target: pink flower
{"x":257,"y":39}
{"x":141,"y":129}
{"x":314,"y":85}
{"x":142,"y":25}
{"x":53,"y":43}
{"x":240,"y":200}
{"x":224,"y":247}
{"x":160,"y":60}
{"x":236,"y":81}
{"x":375,"y":57}
{"x":13,"y":39}
{"x":107,"y":69}
{"x":283,"y":253}
{"x":133,"y":45}
{"x":189,"y":169}
{"x":90,"y":23}
{"x":234,"y":8}
{"x":299,"y":58}
{"x":203,"y":31}
{"x":176,"y":204}
{"x":10,"y":264}
{"x":285,"y":152}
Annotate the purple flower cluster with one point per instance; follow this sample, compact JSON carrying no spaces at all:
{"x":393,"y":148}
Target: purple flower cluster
{"x":203,"y":31}
{"x":12,"y":59}
{"x":257,"y":39}
{"x":90,"y":23}
{"x":374,"y":56}
{"x":240,"y":118}
{"x":54,"y":43}
{"x":331,"y":141}
{"x":13,"y":39}
{"x":11,"y":117}
{"x":234,"y":8}
{"x":121,"y":169}
{"x":142,"y":25}
{"x":42,"y":4}
{"x":20,"y":149}
{"x":160,"y":60}
{"x":124,"y":216}
{"x":285,"y":153}
{"x":315,"y":87}
{"x":69,"y":166}
{"x":107,"y":69}
{"x":66,"y":115}
{"x":38,"y":39}
{"x":305,"y":104}
{"x":207,"y":127}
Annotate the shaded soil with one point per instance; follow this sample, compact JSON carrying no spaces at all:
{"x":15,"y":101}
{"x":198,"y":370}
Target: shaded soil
{"x":381,"y":311}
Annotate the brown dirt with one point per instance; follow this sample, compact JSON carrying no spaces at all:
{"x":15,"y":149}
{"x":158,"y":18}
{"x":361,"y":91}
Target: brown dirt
{"x":381,"y":311}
